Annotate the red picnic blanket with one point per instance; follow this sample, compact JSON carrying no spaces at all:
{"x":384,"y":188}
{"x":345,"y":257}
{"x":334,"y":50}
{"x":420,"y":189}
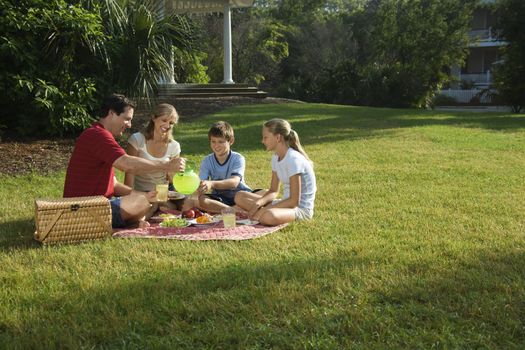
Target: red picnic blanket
{"x":214,"y":231}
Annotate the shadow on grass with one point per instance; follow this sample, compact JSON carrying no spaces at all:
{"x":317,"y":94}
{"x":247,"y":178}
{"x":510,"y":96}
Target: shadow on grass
{"x":331,"y":123}
{"x":17,"y":235}
{"x":326,"y":303}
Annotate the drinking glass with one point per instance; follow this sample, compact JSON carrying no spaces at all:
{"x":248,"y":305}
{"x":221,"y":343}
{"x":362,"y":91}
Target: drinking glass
{"x":162,"y":191}
{"x":228,"y":217}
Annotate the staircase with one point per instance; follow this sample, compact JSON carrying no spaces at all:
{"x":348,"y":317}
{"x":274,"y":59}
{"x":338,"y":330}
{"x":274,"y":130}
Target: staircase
{"x":168,"y":91}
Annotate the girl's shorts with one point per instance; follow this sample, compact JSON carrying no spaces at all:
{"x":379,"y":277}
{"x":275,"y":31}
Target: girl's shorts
{"x":303,"y":214}
{"x":300,"y":213}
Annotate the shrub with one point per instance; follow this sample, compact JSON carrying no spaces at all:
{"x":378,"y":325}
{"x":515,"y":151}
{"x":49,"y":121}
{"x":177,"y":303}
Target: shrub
{"x":48,"y":52}
{"x":444,"y":100}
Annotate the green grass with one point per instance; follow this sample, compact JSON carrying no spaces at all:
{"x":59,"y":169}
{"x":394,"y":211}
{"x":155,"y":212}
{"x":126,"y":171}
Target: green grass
{"x":418,"y":242}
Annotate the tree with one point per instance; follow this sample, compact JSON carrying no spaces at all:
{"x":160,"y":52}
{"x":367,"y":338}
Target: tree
{"x":59,"y":57}
{"x":509,"y":76}
{"x":143,"y":34}
{"x":403,"y":48}
{"x":369,"y":52}
{"x":258,"y":45}
{"x":46,"y":49}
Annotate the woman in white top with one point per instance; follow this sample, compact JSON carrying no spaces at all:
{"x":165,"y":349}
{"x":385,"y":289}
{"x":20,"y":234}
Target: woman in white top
{"x":291,"y":167}
{"x":154,"y":143}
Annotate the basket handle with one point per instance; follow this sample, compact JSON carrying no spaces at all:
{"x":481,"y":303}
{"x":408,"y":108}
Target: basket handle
{"x":99,"y":220}
{"x":51,"y":224}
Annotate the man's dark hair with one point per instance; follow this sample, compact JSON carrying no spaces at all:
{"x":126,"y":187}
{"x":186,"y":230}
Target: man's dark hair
{"x":115,"y":102}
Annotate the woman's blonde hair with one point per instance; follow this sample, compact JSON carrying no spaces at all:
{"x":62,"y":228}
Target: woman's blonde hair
{"x":291,"y":137}
{"x":161,"y":110}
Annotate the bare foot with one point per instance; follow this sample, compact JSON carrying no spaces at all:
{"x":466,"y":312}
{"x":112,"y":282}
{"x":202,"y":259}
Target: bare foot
{"x":240,"y":210}
{"x":143,"y":224}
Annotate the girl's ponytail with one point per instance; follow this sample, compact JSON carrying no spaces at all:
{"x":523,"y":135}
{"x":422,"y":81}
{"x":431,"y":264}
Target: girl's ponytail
{"x":295,"y":143}
{"x":283,"y":128}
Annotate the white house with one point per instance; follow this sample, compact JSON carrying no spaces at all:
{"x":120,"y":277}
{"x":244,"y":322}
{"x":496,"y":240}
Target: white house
{"x":483,"y":53}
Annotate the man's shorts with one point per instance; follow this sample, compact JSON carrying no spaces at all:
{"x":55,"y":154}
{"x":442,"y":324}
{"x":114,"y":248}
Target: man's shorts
{"x":116,"y":218}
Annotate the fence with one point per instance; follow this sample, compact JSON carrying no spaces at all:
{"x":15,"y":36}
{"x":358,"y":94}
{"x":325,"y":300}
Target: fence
{"x":466,"y":96}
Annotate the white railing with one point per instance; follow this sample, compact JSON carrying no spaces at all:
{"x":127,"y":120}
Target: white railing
{"x":465,"y":96}
{"x":478,"y":78}
{"x":481,"y":34}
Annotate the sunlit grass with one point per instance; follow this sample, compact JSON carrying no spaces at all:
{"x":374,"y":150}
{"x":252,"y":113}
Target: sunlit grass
{"x":418,"y":242}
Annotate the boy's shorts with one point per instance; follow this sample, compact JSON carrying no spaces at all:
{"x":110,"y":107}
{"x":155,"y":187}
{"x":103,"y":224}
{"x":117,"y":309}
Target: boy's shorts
{"x":116,"y":218}
{"x":223,"y":199}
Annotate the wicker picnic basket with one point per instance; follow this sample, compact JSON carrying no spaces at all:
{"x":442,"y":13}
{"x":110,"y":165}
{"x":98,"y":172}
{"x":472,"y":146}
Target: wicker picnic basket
{"x":76,"y":219}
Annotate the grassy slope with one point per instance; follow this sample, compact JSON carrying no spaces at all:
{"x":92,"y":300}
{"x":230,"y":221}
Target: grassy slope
{"x":418,"y":241}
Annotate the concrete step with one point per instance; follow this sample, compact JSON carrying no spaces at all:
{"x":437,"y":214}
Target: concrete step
{"x":178,"y":91}
{"x":256,"y":94}
{"x":211,"y":85}
{"x":208,"y":90}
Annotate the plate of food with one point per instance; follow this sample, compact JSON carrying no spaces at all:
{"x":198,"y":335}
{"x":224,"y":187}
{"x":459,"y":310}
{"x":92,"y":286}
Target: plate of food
{"x":174,"y":195}
{"x":175,"y":222}
{"x":204,"y":220}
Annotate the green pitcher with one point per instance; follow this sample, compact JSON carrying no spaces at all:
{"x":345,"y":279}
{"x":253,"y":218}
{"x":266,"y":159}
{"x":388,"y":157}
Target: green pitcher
{"x":186,"y":182}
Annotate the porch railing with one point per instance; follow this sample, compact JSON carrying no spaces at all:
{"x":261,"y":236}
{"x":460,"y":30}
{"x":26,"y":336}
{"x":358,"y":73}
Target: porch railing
{"x":466,"y":96}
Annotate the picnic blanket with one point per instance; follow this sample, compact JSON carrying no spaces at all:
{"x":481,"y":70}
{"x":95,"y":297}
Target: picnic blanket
{"x":215,"y":231}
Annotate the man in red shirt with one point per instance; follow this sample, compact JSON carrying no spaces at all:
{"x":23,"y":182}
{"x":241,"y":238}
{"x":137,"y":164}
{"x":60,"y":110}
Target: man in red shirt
{"x":90,"y":171}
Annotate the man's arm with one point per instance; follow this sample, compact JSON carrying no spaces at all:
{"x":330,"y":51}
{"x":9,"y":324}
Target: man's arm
{"x":129,"y":178}
{"x":121,"y":189}
{"x":136,"y":165}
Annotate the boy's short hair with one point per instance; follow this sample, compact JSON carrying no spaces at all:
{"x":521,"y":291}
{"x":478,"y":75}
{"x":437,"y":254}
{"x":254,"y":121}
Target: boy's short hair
{"x":115,"y":102}
{"x":221,"y":129}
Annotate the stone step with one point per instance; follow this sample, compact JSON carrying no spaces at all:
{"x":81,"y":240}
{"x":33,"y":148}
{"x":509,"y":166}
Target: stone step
{"x":198,"y":94}
{"x":168,"y":91}
{"x":178,"y":91}
{"x":211,"y":85}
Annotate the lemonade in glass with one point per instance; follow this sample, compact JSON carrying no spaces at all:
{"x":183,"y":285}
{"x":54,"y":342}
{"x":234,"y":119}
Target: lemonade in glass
{"x":162,"y":191}
{"x":228,"y":217}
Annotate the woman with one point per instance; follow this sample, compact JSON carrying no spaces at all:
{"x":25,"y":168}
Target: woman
{"x":155,"y":142}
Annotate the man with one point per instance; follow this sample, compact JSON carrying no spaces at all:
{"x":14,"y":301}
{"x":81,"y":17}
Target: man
{"x":90,"y":171}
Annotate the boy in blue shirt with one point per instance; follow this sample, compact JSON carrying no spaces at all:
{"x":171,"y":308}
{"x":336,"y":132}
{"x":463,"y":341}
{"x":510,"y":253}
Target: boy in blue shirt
{"x":221,"y":172}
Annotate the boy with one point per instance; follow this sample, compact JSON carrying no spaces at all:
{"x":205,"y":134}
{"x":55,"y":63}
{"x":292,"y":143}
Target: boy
{"x":221,"y":172}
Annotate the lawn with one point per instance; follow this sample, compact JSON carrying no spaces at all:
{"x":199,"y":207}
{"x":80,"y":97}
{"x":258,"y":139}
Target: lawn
{"x":418,"y":242}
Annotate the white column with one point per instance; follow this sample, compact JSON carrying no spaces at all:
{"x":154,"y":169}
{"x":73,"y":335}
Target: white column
{"x":171,"y":62}
{"x":171,"y":59}
{"x":227,"y":39}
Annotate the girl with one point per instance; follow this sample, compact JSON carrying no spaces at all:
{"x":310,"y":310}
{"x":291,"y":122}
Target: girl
{"x":292,"y":167}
